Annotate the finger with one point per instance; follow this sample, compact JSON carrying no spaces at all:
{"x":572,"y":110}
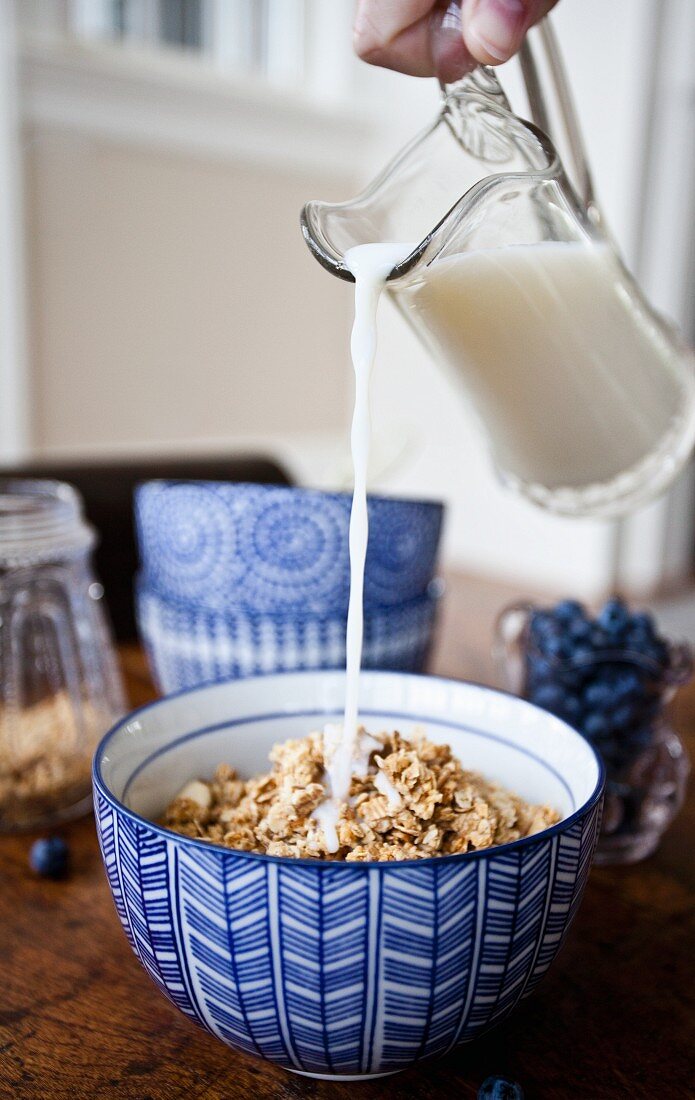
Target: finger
{"x":409,"y":52}
{"x":413,"y":37}
{"x":395,"y":35}
{"x":493,"y":30}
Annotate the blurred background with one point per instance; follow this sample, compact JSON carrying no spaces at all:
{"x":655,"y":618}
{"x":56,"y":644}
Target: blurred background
{"x":157,"y":299}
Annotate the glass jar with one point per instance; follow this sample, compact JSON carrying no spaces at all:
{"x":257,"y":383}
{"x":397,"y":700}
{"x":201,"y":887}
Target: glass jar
{"x":617,"y":698}
{"x":60,"y":688}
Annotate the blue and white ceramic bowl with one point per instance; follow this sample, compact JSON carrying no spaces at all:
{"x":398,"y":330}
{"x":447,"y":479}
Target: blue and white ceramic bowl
{"x":223,"y":546}
{"x":187,"y":646}
{"x":343,"y":969}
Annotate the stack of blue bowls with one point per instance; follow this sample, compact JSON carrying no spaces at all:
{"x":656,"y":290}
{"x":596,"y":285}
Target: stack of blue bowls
{"x":241,"y":579}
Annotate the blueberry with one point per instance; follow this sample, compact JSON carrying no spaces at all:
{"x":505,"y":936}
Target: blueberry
{"x":49,"y":857}
{"x":539,"y":669}
{"x":549,"y":697}
{"x":582,"y":655}
{"x":500,"y":1088}
{"x":558,"y":648}
{"x":642,"y":624}
{"x":613,"y":617}
{"x":636,"y":639}
{"x":600,"y":639}
{"x":623,"y":716}
{"x":647,"y":645}
{"x":599,"y":694}
{"x":572,"y":676}
{"x":541,"y":625}
{"x":567,"y":611}
{"x":628,"y":684}
{"x":595,"y":725}
{"x":571,"y":709}
{"x":579,"y":630}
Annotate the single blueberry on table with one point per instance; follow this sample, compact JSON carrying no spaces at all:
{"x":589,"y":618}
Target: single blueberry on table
{"x":500,"y":1088}
{"x":49,"y":857}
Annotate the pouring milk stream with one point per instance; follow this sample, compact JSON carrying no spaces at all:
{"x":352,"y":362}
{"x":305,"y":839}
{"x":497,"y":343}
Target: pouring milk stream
{"x":346,"y":749}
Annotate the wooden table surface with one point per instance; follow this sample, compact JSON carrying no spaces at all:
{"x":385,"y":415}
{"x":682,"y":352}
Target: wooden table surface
{"x":79,"y":1018}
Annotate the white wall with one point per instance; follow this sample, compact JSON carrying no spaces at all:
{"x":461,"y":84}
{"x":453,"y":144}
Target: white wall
{"x":173,"y":299}
{"x":14,"y":367}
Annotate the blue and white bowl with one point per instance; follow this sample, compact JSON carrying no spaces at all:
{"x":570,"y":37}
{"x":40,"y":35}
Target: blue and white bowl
{"x":343,"y":969}
{"x":188,"y":646}
{"x":223,"y":546}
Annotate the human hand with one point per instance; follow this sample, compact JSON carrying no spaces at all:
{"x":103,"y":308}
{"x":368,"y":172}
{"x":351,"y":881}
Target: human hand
{"x":429,"y":38}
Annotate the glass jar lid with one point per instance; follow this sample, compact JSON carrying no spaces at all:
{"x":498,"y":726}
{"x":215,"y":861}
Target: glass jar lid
{"x":40,"y":521}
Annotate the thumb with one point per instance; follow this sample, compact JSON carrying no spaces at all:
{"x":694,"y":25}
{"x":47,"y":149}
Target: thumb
{"x":493,"y":30}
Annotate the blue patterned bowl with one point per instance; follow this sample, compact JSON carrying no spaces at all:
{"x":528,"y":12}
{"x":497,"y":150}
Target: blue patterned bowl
{"x":223,"y":546}
{"x":343,"y":969}
{"x":187,"y":647}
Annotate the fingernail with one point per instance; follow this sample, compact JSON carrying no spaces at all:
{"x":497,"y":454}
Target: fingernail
{"x":497,"y":26}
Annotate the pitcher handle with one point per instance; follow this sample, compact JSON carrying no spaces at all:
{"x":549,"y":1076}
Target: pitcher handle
{"x":446,"y":39}
{"x":508,"y":644}
{"x":566,"y":110}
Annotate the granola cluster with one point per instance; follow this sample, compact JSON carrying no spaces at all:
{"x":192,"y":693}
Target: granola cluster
{"x":45,"y":758}
{"x":415,"y":800}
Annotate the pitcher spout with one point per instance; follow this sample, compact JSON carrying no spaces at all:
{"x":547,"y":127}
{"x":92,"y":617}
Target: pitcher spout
{"x":476,"y":150}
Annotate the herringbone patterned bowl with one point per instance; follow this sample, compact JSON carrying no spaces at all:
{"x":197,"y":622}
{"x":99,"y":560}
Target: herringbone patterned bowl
{"x":346,"y":970}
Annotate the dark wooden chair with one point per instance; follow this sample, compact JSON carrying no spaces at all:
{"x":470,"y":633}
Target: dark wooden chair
{"x":107,"y":489}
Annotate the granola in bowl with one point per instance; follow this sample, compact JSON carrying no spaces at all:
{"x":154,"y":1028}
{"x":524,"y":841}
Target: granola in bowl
{"x":412,"y":799}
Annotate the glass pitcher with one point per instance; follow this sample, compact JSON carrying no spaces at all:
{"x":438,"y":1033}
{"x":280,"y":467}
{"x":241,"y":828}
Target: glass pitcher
{"x":587,"y":396}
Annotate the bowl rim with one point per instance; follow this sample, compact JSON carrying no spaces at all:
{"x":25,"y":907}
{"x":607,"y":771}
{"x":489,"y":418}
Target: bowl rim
{"x":100,"y":786}
{"x":286,"y":490}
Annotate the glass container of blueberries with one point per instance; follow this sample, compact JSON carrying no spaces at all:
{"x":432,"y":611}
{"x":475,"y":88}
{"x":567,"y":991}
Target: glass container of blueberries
{"x":611,"y":677}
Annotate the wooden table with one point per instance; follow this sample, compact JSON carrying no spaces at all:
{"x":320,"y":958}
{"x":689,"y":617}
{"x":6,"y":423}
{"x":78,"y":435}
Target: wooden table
{"x":80,"y":1019}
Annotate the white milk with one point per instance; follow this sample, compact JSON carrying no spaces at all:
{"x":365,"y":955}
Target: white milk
{"x":574,"y":382}
{"x":345,"y":752}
